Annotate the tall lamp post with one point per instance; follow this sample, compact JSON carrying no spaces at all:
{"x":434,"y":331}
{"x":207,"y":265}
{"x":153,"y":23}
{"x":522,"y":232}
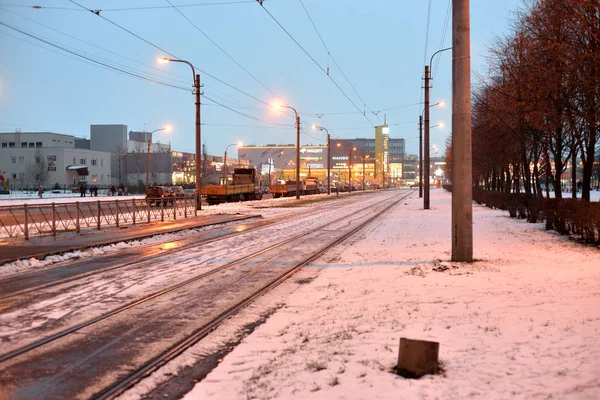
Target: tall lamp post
{"x":350,"y":168}
{"x":225,"y":160}
{"x":364,"y":156}
{"x":279,"y":106}
{"x":198,"y":153}
{"x":328,"y":156}
{"x":426,"y":144}
{"x":167,"y":129}
{"x":439,"y":103}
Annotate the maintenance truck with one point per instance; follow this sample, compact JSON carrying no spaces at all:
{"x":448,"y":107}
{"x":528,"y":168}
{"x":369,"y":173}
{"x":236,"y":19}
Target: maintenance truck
{"x":241,"y":189}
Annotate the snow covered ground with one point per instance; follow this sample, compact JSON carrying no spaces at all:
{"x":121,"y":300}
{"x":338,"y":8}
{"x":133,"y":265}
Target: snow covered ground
{"x":521,"y":322}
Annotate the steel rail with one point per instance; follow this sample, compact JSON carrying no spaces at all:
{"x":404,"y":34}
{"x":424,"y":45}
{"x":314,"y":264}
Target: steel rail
{"x":58,"y":335}
{"x":163,"y":252}
{"x":150,"y":366}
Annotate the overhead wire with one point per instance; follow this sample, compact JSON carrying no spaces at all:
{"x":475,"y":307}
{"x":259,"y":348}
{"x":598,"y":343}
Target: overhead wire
{"x":212,"y":3}
{"x":221,"y":49}
{"x":106,"y":65}
{"x":314,"y":61}
{"x":94,"y":45}
{"x":426,"y":42}
{"x":132,"y":74}
{"x":334,"y":60}
{"x":443,"y":39}
{"x":167,"y":52}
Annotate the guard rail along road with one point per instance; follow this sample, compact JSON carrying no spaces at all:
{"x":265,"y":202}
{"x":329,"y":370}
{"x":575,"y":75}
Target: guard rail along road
{"x":51,"y":219}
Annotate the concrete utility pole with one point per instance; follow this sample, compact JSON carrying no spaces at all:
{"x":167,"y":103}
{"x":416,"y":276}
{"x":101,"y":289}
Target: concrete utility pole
{"x":198,"y":152}
{"x":462,"y":188}
{"x":426,"y":144}
{"x":420,"y":156}
{"x":297,"y":155}
{"x":328,"y":163}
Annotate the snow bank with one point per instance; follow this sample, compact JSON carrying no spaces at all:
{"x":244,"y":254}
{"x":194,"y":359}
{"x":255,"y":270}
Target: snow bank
{"x":521,"y":322}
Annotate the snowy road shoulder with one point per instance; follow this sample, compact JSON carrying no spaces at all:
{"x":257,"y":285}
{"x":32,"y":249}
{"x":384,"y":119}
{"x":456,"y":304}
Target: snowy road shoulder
{"x":521,"y":322}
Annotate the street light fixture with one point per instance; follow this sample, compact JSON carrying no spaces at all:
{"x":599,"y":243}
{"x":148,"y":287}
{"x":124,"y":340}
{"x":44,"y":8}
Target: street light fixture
{"x":364,"y":156}
{"x":278,"y":107}
{"x":166,"y":129}
{"x":426,"y":144}
{"x":198,"y":135}
{"x":441,"y":104}
{"x":441,"y":125}
{"x":328,"y":156}
{"x":225,"y":161}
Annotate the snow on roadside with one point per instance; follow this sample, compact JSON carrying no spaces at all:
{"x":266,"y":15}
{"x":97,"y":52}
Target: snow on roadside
{"x":270,"y":208}
{"x":521,"y":322}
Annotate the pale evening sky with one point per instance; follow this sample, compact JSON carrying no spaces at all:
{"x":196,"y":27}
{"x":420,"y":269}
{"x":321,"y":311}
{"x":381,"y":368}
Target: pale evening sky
{"x":379,"y":45}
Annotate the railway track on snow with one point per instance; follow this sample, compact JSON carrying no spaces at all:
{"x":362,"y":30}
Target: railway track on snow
{"x":70,"y":270}
{"x":116,"y":347}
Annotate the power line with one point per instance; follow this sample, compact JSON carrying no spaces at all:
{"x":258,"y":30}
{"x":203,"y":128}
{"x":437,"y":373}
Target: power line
{"x":446,"y":23}
{"x":313,"y":60}
{"x":165,"y":51}
{"x":182,"y":5}
{"x":333,"y":58}
{"x":91,"y":59}
{"x":212,"y":3}
{"x":94,"y":45}
{"x":220,"y":48}
{"x":111,"y":67}
{"x":426,"y":41}
{"x":241,"y":113}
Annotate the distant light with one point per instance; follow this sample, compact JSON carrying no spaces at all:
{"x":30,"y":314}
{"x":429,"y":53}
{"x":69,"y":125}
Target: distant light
{"x":163,"y":60}
{"x":240,"y":144}
{"x":441,"y":124}
{"x":314,"y":127}
{"x":441,"y":103}
{"x":168,"y":128}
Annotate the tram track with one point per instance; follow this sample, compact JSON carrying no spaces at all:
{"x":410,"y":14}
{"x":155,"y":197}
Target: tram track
{"x":251,"y":267}
{"x":20,"y":284}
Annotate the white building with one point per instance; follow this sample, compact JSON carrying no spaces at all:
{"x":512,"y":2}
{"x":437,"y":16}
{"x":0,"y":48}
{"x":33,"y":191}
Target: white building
{"x":28,"y":159}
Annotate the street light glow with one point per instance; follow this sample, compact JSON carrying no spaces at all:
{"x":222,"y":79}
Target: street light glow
{"x":240,"y":144}
{"x":441,"y":124}
{"x":168,"y":128}
{"x":163,"y":60}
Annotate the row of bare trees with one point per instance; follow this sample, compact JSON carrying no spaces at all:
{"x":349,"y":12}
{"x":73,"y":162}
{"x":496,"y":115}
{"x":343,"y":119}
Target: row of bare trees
{"x":539,"y":109}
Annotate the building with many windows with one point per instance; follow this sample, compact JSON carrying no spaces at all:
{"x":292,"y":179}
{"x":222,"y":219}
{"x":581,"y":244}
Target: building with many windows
{"x":352,"y":158}
{"x":30,"y":159}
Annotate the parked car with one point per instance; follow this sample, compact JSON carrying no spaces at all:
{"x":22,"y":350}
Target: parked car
{"x":178,"y":191}
{"x":157,"y":194}
{"x":189,"y":192}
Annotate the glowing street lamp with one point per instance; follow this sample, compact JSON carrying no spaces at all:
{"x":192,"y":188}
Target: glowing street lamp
{"x":198,"y":135}
{"x":225,"y":160}
{"x":440,"y":104}
{"x":279,"y":106}
{"x":328,"y":156}
{"x":166,"y":129}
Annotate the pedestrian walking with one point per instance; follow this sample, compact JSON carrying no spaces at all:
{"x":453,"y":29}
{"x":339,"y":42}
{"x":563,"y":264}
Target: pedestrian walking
{"x":41,"y":191}
{"x":113,"y":191}
{"x":95,"y":191}
{"x":82,"y":190}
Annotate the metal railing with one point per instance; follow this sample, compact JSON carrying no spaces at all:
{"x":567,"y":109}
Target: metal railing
{"x":29,"y":220}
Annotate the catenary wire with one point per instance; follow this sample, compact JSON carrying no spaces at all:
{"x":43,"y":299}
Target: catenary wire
{"x":111,"y":67}
{"x":169,"y":53}
{"x":446,"y":23}
{"x":91,"y":59}
{"x":334,"y":60}
{"x":313,"y":60}
{"x":221,"y":49}
{"x":94,"y":45}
